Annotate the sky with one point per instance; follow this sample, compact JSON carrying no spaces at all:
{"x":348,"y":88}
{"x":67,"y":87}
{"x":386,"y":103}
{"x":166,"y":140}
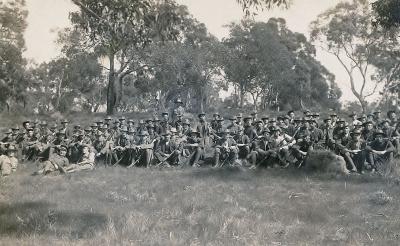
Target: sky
{"x":47,"y":16}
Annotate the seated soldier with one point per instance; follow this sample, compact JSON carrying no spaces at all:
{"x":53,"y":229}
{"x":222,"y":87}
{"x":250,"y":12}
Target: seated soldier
{"x":143,"y":147}
{"x":260,"y":150}
{"x":279,"y":147}
{"x":391,"y":133}
{"x":243,"y":143}
{"x":8,"y":161}
{"x":353,"y":151}
{"x":303,"y":146}
{"x":86,"y":162}
{"x":226,"y":151}
{"x":167,"y":152}
{"x":56,"y":162}
{"x":194,"y":148}
{"x":5,"y":142}
{"x":123,"y":148}
{"x":380,"y":153}
{"x":30,"y":148}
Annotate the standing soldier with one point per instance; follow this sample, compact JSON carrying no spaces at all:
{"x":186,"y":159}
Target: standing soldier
{"x":204,"y":130}
{"x":178,"y":109}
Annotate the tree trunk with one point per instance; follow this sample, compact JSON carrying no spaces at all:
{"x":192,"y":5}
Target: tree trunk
{"x":242,"y":93}
{"x":111,"y":93}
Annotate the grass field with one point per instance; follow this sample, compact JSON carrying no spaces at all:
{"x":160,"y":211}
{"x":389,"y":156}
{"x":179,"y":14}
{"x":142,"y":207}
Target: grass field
{"x":118,"y":206}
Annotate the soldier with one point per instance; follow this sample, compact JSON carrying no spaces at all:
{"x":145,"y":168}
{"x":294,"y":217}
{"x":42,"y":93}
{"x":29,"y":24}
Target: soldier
{"x":260,"y":154}
{"x":243,"y":143}
{"x":107,"y":121}
{"x":377,"y":117}
{"x":195,"y":147}
{"x":226,"y":151}
{"x":122,"y":147}
{"x":354,"y":152}
{"x":64,"y":128}
{"x":254,"y":116}
{"x":259,"y":127}
{"x":204,"y":129}
{"x":304,"y":129}
{"x":168,"y":153}
{"x":291,"y":115}
{"x":8,"y":161}
{"x":391,"y":114}
{"x":144,"y":150}
{"x":122,"y":121}
{"x":391,"y":133}
{"x":56,"y":162}
{"x":354,"y":120}
{"x":316,"y":134}
{"x":30,"y":149}
{"x":303,"y":146}
{"x":368,"y":131}
{"x":186,"y":127}
{"x":327,"y":130}
{"x":86,"y":162}
{"x":214,"y":121}
{"x":179,"y":109}
{"x":280,"y":144}
{"x":249,"y":129}
{"x":380,"y":152}
{"x":362,"y":118}
{"x":164,"y":124}
{"x":6,"y":141}
{"x":334,"y":118}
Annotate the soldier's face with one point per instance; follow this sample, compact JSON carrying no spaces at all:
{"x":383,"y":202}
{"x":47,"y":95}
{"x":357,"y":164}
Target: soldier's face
{"x":11,"y":153}
{"x":63,"y":152}
{"x":165,"y":116}
{"x":379,"y":138}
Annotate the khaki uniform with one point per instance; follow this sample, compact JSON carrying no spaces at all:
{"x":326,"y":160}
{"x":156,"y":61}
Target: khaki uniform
{"x":8,"y":165}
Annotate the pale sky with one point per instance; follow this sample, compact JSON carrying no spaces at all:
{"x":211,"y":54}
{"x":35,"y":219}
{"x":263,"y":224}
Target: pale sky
{"x":45,"y":16}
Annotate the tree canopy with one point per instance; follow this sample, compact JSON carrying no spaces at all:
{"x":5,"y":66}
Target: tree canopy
{"x":281,"y":72}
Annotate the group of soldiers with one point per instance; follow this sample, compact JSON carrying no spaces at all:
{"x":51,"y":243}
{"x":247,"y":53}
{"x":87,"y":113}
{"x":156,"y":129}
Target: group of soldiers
{"x":368,"y":143}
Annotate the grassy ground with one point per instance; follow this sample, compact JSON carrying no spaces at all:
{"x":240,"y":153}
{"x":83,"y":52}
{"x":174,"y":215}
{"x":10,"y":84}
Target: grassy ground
{"x":117,"y":206}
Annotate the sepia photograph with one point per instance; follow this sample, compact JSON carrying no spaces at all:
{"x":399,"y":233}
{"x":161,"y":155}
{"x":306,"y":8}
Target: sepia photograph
{"x":199,"y":122}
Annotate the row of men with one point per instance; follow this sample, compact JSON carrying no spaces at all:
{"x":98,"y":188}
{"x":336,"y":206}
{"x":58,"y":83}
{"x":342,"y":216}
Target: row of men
{"x":366,"y":144}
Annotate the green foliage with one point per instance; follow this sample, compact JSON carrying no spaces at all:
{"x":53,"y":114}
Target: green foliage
{"x":347,"y":32}
{"x":74,"y":79}
{"x":122,"y":28}
{"x":282,"y":71}
{"x":249,"y":5}
{"x":12,"y":64}
{"x":388,"y":13}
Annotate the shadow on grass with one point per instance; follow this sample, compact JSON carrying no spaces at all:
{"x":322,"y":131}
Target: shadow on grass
{"x":41,"y":218}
